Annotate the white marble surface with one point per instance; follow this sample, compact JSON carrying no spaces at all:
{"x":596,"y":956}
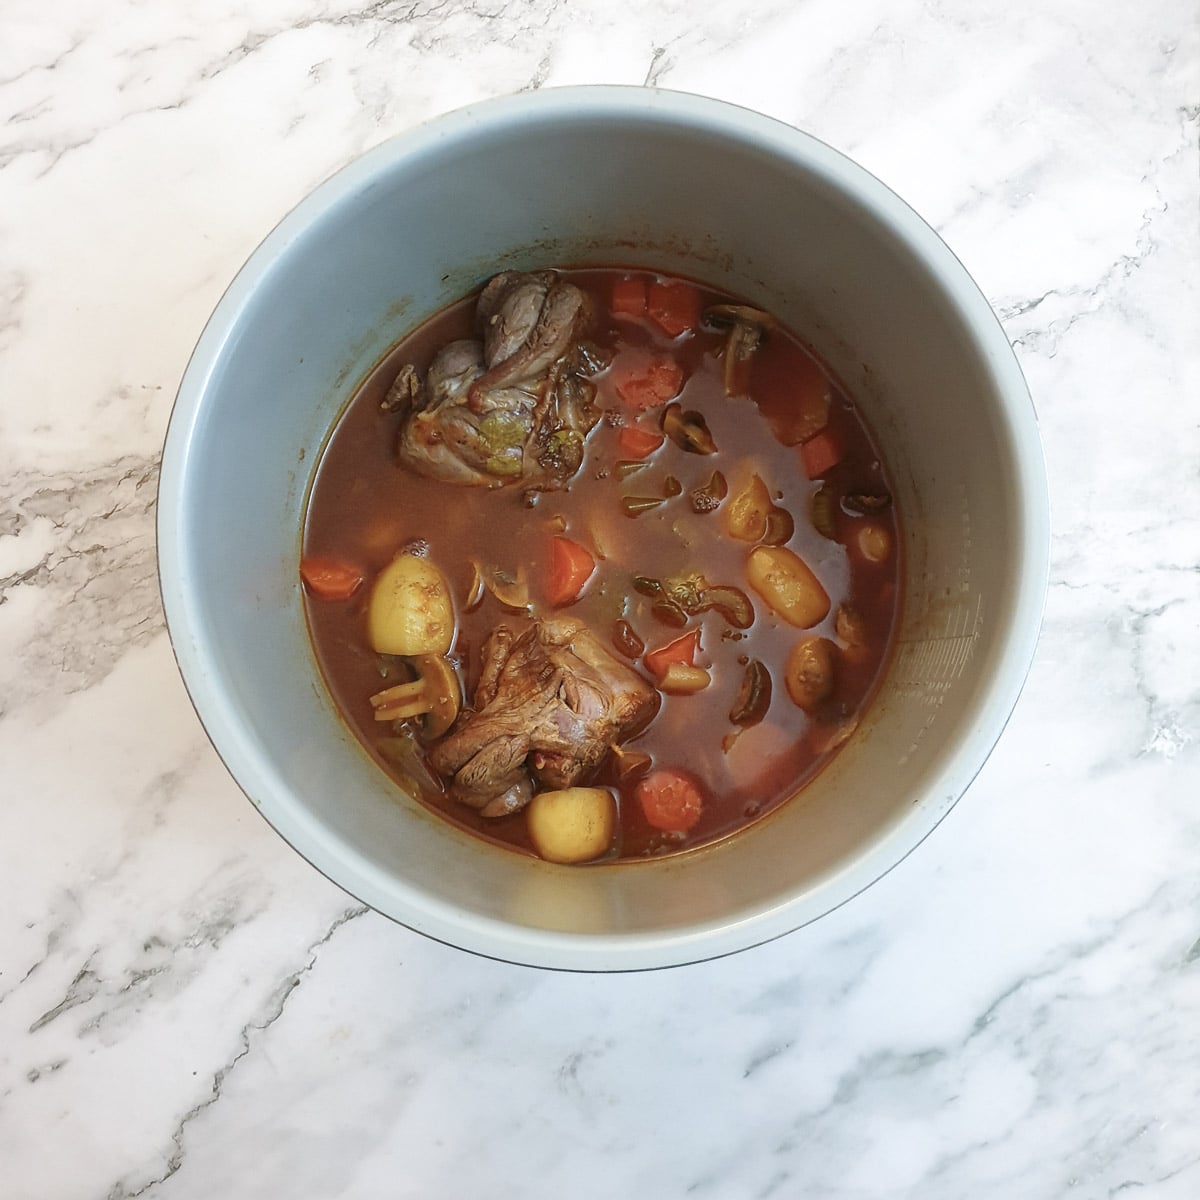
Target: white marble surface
{"x":188,"y":1010}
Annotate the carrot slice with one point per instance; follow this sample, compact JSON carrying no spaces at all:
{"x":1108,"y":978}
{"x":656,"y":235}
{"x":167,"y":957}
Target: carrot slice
{"x":820,"y":454}
{"x":638,"y":443}
{"x":646,"y":381}
{"x":571,"y":566}
{"x":670,"y":800}
{"x":681,"y":650}
{"x":628,"y":297}
{"x":674,"y":307}
{"x":329,"y":579}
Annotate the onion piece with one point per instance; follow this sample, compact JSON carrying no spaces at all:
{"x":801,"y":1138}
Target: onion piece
{"x":627,"y":467}
{"x":476,"y":590}
{"x":634,"y":506}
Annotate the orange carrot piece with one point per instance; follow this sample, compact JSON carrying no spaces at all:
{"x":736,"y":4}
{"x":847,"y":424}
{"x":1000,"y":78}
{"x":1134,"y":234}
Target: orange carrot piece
{"x":628,"y":297}
{"x":571,"y":566}
{"x":674,"y":307}
{"x":638,"y":443}
{"x":329,"y":579}
{"x":670,"y":800}
{"x":646,"y":381}
{"x":820,"y":454}
{"x":681,"y":650}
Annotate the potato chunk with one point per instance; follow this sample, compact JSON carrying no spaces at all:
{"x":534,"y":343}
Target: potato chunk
{"x":573,"y":825}
{"x":746,"y":513}
{"x":785,"y":582}
{"x":410,"y":611}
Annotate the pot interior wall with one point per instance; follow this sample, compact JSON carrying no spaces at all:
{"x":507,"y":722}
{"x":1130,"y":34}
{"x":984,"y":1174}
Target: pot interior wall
{"x":782,"y":233}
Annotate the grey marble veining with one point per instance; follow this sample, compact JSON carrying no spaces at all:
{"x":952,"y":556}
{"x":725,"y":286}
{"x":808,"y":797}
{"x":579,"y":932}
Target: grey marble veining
{"x":188,"y":1010}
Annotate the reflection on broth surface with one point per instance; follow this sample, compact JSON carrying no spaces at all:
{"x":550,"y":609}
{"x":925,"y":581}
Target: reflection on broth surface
{"x":601,"y":564}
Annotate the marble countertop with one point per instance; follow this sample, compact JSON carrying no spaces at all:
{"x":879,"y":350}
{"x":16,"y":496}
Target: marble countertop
{"x":188,"y":1010}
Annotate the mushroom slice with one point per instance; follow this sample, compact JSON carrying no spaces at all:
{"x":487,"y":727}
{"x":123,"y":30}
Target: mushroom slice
{"x":626,"y":641}
{"x":723,"y":316}
{"x":808,"y":674}
{"x":754,"y":696}
{"x":780,"y":526}
{"x":677,"y":599}
{"x":669,"y":613}
{"x":511,"y":591}
{"x":747,"y":329}
{"x":705,"y":499}
{"x":629,"y":765}
{"x":688,"y":430}
{"x":867,"y":502}
{"x":434,"y":695}
{"x":731,"y":602}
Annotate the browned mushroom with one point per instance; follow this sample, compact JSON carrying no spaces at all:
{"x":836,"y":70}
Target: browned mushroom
{"x":724,"y":316}
{"x":629,"y":765}
{"x":669,"y":613}
{"x":866,"y":502}
{"x":511,"y":591}
{"x":434,"y":695}
{"x":677,"y":599}
{"x":731,"y":602}
{"x":626,"y":640}
{"x":852,"y":630}
{"x":809,"y":672}
{"x":747,"y":329}
{"x":688,"y":430}
{"x":707,"y":498}
{"x":754,"y":696}
{"x":780,"y":526}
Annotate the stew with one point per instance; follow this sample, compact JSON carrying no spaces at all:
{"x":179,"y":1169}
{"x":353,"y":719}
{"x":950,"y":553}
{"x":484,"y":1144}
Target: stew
{"x":601,"y":564}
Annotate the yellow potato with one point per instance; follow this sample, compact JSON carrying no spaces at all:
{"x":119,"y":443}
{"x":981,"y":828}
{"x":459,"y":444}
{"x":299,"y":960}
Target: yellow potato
{"x":410,"y":610}
{"x":784,"y":581}
{"x":680,"y":679}
{"x":809,"y":672}
{"x":573,"y":825}
{"x":747,"y":511}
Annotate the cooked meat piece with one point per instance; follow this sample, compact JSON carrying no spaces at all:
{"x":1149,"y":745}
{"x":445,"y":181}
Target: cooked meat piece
{"x":534,"y":327}
{"x":515,"y":405}
{"x":550,"y":704}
